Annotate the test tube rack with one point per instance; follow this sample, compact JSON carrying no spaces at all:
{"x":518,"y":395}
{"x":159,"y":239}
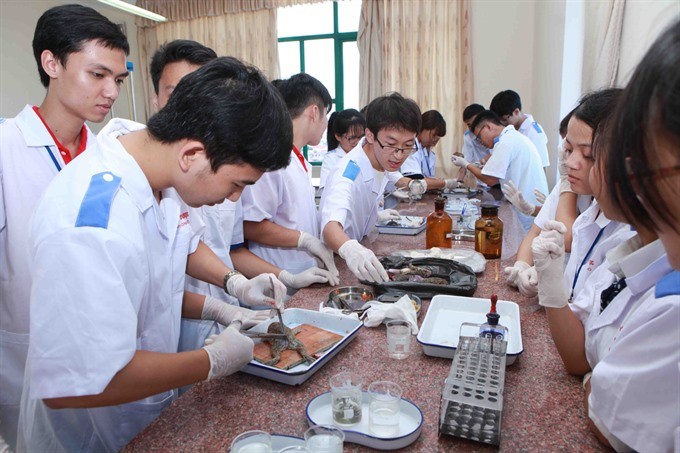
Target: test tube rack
{"x":472,"y":399}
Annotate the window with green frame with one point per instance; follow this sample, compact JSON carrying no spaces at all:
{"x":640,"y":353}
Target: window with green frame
{"x":324,"y":47}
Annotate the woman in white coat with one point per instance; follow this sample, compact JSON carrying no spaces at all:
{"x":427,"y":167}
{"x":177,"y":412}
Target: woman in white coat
{"x":345,"y":130}
{"x":624,"y":337}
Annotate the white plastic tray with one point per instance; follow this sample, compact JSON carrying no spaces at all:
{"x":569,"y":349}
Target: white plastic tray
{"x":403,"y":229}
{"x":440,"y":330}
{"x":410,"y":423}
{"x":293,"y":317}
{"x":469,"y":257}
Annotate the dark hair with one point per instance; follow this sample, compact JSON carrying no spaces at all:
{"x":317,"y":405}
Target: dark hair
{"x":302,"y":90}
{"x":233,"y":110}
{"x":393,"y":111}
{"x":593,"y":107}
{"x":505,"y":102}
{"x":433,"y":120}
{"x":341,"y":123}
{"x":64,"y":30}
{"x":564,"y":124}
{"x":648,"y":112}
{"x":472,"y":110}
{"x":487,"y":116}
{"x":178,"y":50}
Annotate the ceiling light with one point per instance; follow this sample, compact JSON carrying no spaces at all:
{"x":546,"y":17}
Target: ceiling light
{"x":133,"y":9}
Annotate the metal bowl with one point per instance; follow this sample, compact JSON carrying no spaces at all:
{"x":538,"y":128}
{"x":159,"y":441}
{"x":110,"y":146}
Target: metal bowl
{"x":350,"y":297}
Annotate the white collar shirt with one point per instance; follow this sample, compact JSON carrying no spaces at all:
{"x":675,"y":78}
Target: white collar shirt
{"x":331,"y":158}
{"x":422,"y":162}
{"x":535,"y":133}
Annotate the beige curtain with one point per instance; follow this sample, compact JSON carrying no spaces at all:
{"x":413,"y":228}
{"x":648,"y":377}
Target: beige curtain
{"x":602,"y":43}
{"x":420,"y":48}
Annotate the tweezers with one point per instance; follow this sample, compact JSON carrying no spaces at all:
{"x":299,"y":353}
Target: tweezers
{"x":262,"y":334}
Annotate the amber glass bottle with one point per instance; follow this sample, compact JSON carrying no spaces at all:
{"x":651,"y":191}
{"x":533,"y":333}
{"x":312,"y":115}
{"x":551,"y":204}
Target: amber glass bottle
{"x":489,"y":233}
{"x":439,"y":226}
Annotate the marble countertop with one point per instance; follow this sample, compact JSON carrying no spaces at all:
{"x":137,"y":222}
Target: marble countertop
{"x":543,"y":407}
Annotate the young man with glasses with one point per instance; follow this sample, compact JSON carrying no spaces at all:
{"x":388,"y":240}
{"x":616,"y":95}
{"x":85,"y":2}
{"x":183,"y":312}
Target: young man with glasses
{"x":513,"y":158}
{"x":349,"y":204}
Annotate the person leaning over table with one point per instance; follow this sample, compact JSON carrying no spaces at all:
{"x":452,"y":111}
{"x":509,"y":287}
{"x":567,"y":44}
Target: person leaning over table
{"x":421,"y":164}
{"x":625,"y":338}
{"x":102,"y":361}
{"x":349,"y":205}
{"x":82,"y":65}
{"x":221,"y":225}
{"x":593,"y":233}
{"x":513,"y":158}
{"x":472,"y":150}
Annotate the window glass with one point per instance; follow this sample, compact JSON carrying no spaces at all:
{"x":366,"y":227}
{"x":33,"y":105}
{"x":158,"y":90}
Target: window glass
{"x":317,"y":19}
{"x":289,"y":58}
{"x":320,"y":62}
{"x":350,"y":63}
{"x":349,"y":13}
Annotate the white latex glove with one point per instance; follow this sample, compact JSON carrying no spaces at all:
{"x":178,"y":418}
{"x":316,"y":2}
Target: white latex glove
{"x":362,"y":262}
{"x":563,"y":170}
{"x":308,"y":277}
{"x":540,"y":196}
{"x":258,"y":290}
{"x":217,"y":310}
{"x":527,"y":282}
{"x":417,"y":187}
{"x":401,"y":194}
{"x":451,"y":184}
{"x":387,"y":215}
{"x":228,"y":352}
{"x":460,"y":161}
{"x":514,"y":196}
{"x":548,"y":250}
{"x":319,"y":250}
{"x":511,"y":272}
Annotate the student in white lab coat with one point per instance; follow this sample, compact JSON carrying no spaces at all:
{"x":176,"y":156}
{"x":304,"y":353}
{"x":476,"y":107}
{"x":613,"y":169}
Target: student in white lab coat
{"x":422,"y":163}
{"x":508,"y":106}
{"x":626,"y":334}
{"x":281,"y":221}
{"x":221,"y":225}
{"x":349,"y":205}
{"x":513,"y":158}
{"x":345,"y":130}
{"x":82,"y":70}
{"x":472,"y":150}
{"x":102,"y":361}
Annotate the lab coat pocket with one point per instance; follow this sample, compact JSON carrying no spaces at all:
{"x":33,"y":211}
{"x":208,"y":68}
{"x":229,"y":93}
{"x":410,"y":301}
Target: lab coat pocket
{"x":134,"y":417}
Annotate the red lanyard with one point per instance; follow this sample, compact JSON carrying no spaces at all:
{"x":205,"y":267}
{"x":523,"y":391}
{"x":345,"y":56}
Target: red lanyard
{"x":65,"y":153}
{"x":300,"y":156}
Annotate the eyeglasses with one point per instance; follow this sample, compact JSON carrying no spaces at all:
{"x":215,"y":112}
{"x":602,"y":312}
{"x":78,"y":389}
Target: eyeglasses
{"x":394,"y":150}
{"x":478,"y":136}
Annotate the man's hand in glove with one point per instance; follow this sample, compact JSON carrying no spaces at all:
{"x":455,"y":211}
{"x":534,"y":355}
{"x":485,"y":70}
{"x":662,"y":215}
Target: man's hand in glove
{"x":362,"y":262}
{"x":265,"y":289}
{"x":540,"y":196}
{"x":459,"y":161}
{"x":527,"y":282}
{"x":228,"y":352}
{"x":308,"y":277}
{"x":451,"y":184}
{"x":388,"y":214}
{"x":548,"y":250}
{"x":514,"y":196}
{"x":417,"y":187}
{"x":217,"y":310}
{"x":323,"y":254}
{"x":511,"y":272}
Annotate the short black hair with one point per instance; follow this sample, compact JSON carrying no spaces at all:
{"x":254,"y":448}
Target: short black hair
{"x":648,"y":113}
{"x":233,"y":110}
{"x":486,"y":116}
{"x":433,"y":120}
{"x":302,"y":90}
{"x":472,"y":110}
{"x":393,"y":111}
{"x":178,"y":50}
{"x":64,"y":30}
{"x":505,"y":102}
{"x":564,"y":124}
{"x":341,"y":123}
{"x":593,"y":107}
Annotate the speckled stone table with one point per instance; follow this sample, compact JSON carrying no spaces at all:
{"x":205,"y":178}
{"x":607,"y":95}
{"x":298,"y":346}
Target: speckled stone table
{"x":543,"y":405}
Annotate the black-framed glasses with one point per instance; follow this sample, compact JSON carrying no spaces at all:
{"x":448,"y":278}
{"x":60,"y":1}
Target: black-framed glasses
{"x":478,"y":137}
{"x":394,"y":150}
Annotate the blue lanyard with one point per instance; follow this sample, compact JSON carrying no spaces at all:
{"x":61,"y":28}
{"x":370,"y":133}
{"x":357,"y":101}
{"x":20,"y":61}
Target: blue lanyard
{"x":578,"y":271}
{"x":54,"y":159}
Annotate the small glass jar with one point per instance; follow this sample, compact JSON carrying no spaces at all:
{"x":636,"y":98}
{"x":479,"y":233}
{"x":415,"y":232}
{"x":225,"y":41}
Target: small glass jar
{"x":439,"y":226}
{"x":489,"y":233}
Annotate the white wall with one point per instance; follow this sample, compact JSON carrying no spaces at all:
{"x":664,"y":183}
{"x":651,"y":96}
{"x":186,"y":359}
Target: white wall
{"x":19,"y":80}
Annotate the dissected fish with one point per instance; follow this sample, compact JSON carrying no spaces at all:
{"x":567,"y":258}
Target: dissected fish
{"x":278,"y":345}
{"x":415,"y":274}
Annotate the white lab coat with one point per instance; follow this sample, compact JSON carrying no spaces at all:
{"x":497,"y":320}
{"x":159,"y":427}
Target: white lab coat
{"x":108,"y":281}
{"x":633,"y":348}
{"x":514,"y":158}
{"x":331,"y":158}
{"x":223,"y":232}
{"x":472,"y":150}
{"x":535,"y":133}
{"x":353,"y":194}
{"x":29,"y":160}
{"x":422,"y":162}
{"x":586,"y":235}
{"x":285,"y":197}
